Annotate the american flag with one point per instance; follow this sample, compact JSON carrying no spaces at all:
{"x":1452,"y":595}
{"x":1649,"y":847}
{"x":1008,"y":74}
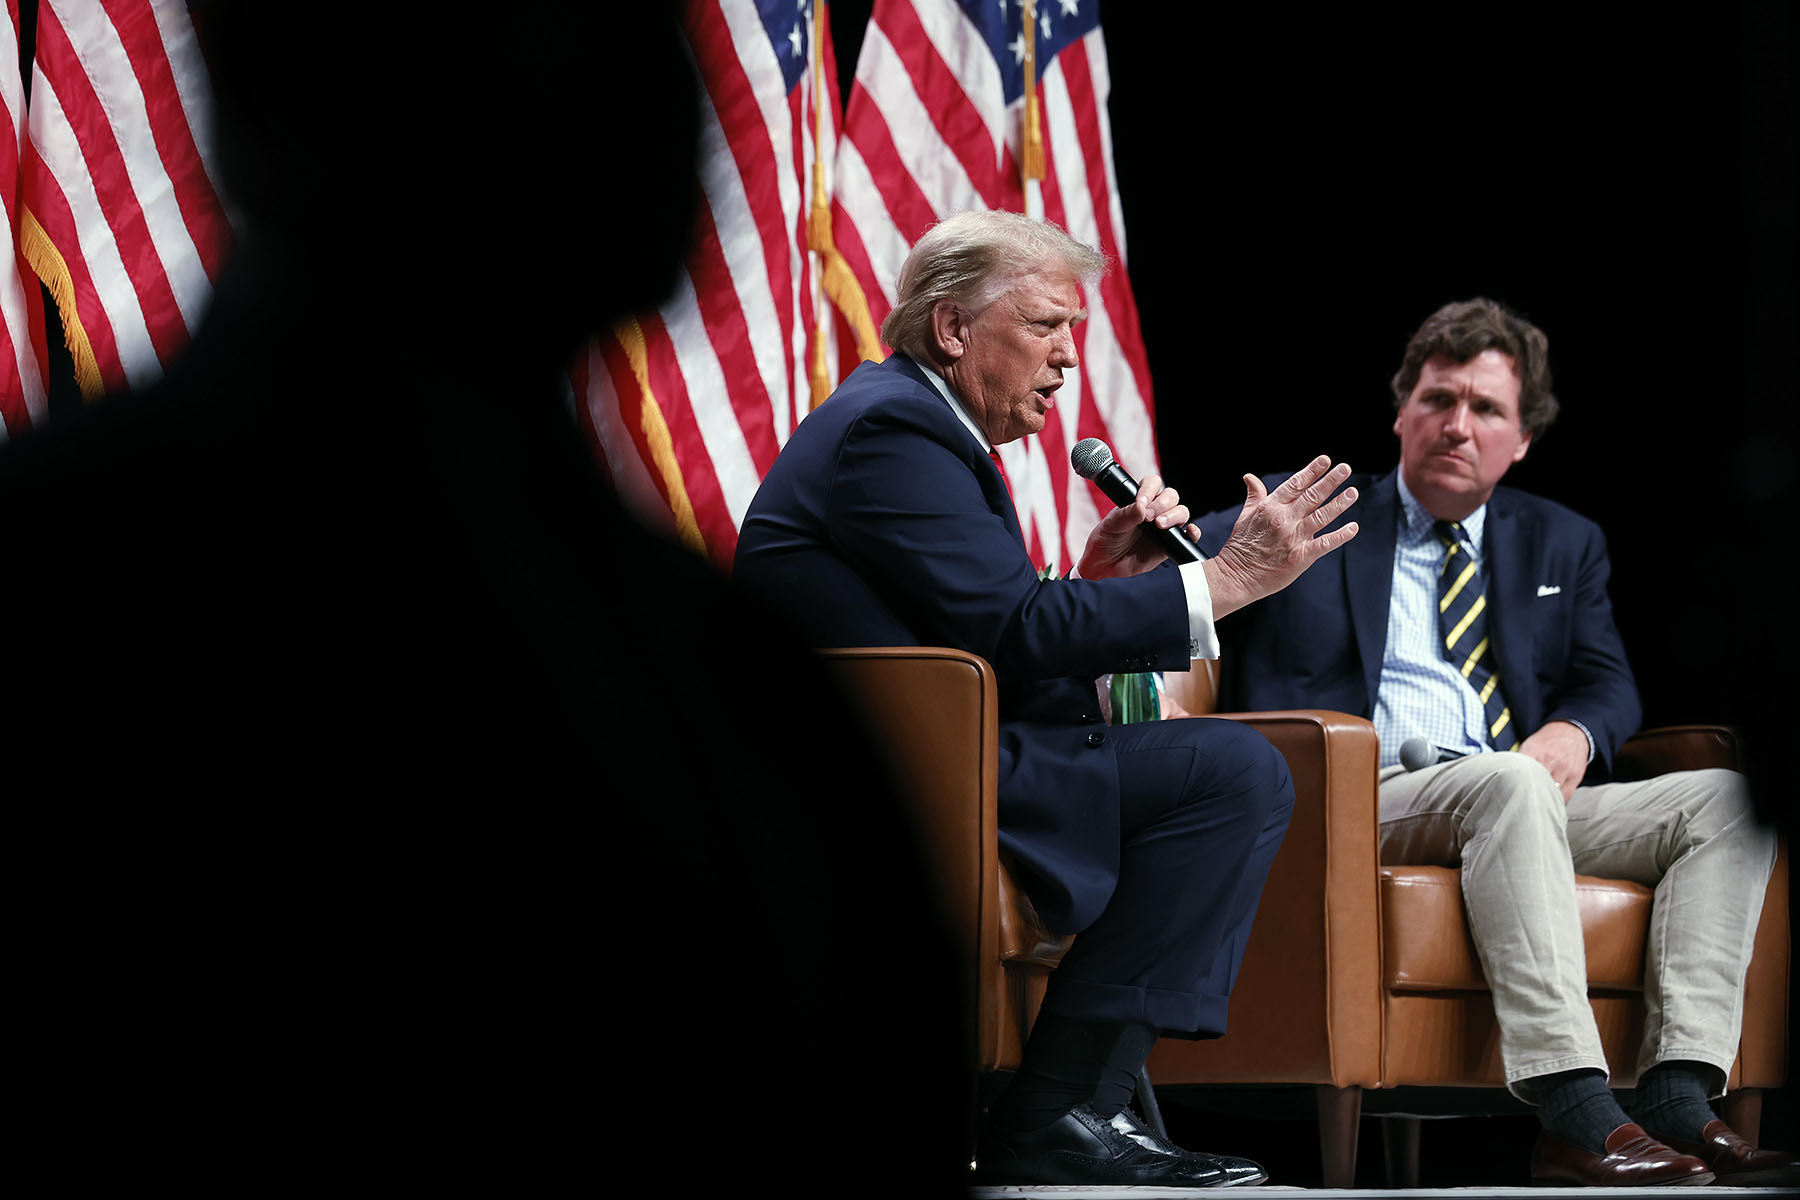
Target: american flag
{"x":950,"y":106}
{"x":689,"y":405}
{"x":120,"y":216}
{"x":24,"y":358}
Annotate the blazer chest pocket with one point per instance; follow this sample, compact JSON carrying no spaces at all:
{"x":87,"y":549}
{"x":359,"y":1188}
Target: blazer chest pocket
{"x":1552,"y":632}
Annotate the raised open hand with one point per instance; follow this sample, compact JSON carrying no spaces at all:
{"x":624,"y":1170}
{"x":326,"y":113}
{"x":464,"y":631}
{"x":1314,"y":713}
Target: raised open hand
{"x":1276,"y":536}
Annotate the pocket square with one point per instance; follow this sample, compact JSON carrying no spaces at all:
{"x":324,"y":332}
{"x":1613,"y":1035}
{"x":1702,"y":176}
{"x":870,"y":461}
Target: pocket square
{"x":1545,"y":589}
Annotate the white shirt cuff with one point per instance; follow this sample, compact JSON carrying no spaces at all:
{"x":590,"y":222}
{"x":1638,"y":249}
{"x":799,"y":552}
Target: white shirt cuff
{"x":1585,"y":731}
{"x":1203,"y":638}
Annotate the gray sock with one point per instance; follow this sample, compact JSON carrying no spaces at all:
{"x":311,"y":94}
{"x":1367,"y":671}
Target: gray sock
{"x":1671,"y":1100}
{"x":1578,"y":1107}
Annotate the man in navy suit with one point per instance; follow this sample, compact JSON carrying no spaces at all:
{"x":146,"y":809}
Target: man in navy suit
{"x":886,"y":519}
{"x":1470,"y":618}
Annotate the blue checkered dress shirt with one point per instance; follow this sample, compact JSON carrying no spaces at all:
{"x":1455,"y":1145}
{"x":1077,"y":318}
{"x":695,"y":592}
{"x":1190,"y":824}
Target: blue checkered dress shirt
{"x":1421,"y":694}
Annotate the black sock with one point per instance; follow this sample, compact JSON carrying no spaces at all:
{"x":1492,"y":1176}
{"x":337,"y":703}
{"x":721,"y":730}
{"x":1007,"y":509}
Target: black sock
{"x":1671,"y":1099}
{"x":1069,"y":1063}
{"x":1118,"y":1081}
{"x":1578,"y":1107}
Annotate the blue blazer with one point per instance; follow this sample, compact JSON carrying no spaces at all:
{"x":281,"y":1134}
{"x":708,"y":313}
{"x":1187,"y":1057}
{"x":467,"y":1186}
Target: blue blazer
{"x":1319,"y":642}
{"x":884,"y":522}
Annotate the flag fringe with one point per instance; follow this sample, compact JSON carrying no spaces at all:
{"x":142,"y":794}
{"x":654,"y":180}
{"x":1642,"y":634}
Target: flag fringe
{"x":47,"y":261}
{"x":847,"y":294}
{"x":840,"y":285}
{"x":656,"y":433}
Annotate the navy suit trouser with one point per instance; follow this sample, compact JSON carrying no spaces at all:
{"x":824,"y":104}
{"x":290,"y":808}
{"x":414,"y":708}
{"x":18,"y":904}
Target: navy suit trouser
{"x":1203,"y":805}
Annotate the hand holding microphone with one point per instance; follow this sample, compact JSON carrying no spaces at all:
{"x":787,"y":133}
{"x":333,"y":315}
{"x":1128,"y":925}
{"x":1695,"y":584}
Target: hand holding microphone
{"x":1147,"y":513}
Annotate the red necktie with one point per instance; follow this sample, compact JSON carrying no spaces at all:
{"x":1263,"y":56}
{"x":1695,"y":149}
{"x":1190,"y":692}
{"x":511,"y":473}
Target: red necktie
{"x":1001,"y":467}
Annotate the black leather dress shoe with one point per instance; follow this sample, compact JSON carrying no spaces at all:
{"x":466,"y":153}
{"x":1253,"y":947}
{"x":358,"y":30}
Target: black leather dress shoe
{"x":1237,"y":1170}
{"x":1082,"y":1147}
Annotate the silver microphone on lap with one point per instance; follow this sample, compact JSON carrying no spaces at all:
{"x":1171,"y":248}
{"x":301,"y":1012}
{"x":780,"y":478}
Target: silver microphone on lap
{"x":1419,"y":752}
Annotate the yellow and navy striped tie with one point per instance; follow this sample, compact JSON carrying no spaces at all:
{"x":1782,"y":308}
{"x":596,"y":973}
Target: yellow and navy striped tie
{"x":1462,"y":620}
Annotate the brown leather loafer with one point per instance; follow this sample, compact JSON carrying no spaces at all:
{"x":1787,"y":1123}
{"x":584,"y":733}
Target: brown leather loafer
{"x":1632,"y":1159}
{"x":1735,"y":1161}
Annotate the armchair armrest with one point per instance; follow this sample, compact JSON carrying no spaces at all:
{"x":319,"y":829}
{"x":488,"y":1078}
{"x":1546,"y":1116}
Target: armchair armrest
{"x":1307,"y":1004}
{"x":1652,"y":752}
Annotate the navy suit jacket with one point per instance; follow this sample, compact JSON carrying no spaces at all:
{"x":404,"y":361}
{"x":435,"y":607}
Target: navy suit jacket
{"x":1319,"y":642}
{"x":884,"y":522}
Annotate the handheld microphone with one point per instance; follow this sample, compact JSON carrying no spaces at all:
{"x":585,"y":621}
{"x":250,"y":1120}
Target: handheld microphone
{"x":1418,"y":752}
{"x":1093,"y":460}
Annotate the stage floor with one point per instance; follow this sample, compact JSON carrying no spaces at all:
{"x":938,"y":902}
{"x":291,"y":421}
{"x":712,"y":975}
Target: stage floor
{"x":1459,"y":1193}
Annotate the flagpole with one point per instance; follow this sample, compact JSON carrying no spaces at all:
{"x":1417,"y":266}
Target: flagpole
{"x":1031,"y":157}
{"x":836,"y":280}
{"x":819,"y":221}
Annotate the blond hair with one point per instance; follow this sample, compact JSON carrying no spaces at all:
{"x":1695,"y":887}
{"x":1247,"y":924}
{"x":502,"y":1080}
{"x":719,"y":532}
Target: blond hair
{"x":971,"y":258}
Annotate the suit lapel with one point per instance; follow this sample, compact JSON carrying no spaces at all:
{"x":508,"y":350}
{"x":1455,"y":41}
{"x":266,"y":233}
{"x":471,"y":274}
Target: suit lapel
{"x":1369,"y":575}
{"x":974,"y":453}
{"x":1510,"y":538}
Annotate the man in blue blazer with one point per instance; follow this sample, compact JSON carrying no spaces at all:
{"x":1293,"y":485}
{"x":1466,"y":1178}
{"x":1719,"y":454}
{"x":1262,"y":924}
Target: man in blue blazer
{"x":886,"y":519}
{"x":1469,"y":618}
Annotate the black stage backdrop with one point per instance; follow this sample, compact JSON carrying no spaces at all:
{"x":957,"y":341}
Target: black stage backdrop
{"x":1302,"y":187}
{"x":1301,"y":191}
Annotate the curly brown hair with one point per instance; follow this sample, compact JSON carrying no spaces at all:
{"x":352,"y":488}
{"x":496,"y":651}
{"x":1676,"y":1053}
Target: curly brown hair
{"x":1461,"y":330}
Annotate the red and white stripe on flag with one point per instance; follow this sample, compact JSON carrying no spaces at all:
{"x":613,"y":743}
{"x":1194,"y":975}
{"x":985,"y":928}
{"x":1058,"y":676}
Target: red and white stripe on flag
{"x":24,"y":358}
{"x":689,"y":405}
{"x":934,"y":126}
{"x":121,"y":218}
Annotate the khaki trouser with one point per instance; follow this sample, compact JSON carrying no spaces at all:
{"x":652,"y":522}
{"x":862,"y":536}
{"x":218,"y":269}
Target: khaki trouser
{"x":1693,"y":836}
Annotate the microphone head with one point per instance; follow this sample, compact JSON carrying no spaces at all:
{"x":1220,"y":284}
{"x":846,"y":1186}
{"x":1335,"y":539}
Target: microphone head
{"x":1090,"y":457}
{"x":1417,"y":752}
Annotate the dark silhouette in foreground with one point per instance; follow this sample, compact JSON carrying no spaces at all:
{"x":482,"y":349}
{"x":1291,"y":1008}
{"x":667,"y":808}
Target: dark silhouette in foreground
{"x":385,"y":804}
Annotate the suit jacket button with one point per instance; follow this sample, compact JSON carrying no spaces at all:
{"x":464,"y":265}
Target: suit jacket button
{"x":1096,"y":738}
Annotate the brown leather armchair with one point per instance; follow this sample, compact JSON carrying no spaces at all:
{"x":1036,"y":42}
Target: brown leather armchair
{"x":1426,"y":1019}
{"x":1355,"y":977}
{"x":936,"y":710}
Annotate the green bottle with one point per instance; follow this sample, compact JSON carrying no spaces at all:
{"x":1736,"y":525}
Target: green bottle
{"x":1134,"y":698}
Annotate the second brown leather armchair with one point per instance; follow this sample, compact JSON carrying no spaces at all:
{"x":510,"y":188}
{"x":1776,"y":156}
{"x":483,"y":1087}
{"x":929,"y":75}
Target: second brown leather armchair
{"x":1408,"y":1006}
